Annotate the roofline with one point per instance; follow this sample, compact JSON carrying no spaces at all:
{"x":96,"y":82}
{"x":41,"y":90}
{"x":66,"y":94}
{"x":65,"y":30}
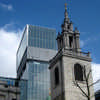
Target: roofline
{"x":11,"y":78}
{"x":43,"y":27}
{"x":27,"y":25}
{"x":21,"y":39}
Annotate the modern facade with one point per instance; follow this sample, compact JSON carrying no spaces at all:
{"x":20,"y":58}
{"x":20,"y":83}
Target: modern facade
{"x":13,"y":89}
{"x":70,"y":69}
{"x":9,"y":92}
{"x":37,"y":47}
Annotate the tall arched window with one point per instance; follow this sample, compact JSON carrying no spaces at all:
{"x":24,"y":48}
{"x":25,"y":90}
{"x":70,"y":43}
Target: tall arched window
{"x":70,"y":41}
{"x":78,"y":72}
{"x":56,"y":76}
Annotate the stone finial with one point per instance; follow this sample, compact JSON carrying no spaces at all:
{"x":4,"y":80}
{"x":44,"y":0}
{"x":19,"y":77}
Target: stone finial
{"x":71,"y":26}
{"x":58,"y":33}
{"x":76,"y":30}
{"x":58,"y":36}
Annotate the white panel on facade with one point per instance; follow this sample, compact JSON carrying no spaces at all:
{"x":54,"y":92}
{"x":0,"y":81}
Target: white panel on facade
{"x":40,"y":53}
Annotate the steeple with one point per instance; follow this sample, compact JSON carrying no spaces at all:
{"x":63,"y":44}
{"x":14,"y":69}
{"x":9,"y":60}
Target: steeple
{"x":68,"y":38}
{"x":67,"y":25}
{"x":66,"y":13}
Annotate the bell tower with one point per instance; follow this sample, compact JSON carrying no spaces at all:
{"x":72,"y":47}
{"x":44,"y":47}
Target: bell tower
{"x":70,"y":69}
{"x":68,"y":38}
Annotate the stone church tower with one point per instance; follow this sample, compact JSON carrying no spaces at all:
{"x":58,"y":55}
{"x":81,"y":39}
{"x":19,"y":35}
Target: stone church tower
{"x":70,"y":69}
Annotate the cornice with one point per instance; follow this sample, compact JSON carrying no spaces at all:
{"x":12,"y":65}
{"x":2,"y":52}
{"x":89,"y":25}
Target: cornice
{"x":67,"y":53}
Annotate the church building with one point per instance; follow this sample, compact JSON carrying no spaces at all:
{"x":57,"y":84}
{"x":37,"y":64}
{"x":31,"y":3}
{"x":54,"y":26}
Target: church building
{"x":70,"y":69}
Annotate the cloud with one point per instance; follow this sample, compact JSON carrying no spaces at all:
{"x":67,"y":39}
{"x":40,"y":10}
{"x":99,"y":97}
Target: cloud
{"x":8,"y":7}
{"x":8,"y":46}
{"x":82,"y":43}
{"x":96,"y":75}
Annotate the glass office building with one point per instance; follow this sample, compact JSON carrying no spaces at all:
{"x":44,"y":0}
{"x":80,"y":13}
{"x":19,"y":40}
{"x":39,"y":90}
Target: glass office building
{"x":37,"y":47}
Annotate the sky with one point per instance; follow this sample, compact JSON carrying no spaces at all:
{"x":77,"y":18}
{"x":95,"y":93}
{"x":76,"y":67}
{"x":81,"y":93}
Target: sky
{"x":15,"y":14}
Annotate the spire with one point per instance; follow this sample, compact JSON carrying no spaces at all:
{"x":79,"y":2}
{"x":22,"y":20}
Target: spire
{"x":66,"y":24}
{"x":66,"y":14}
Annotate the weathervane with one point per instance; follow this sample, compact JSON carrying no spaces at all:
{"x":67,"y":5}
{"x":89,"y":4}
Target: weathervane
{"x":65,"y":5}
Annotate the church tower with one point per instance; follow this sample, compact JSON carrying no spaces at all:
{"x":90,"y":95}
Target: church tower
{"x":70,"y":69}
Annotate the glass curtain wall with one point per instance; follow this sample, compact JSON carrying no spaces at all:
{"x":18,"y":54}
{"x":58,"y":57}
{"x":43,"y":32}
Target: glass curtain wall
{"x":22,"y":47}
{"x":42,"y":37}
{"x":36,"y":73}
{"x":38,"y":80}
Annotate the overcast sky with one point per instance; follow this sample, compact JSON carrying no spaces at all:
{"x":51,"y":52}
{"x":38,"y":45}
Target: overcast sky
{"x":15,"y":14}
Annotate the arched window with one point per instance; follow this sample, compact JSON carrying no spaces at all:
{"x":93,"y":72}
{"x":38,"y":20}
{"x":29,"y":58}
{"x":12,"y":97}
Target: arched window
{"x":70,"y":41}
{"x":56,"y":76}
{"x":78,"y":72}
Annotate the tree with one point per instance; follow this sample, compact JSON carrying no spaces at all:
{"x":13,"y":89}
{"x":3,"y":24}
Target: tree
{"x":86,"y":79}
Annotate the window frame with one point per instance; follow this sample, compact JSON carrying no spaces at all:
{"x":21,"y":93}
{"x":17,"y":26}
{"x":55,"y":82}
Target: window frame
{"x":75,"y":73}
{"x":56,"y":77}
